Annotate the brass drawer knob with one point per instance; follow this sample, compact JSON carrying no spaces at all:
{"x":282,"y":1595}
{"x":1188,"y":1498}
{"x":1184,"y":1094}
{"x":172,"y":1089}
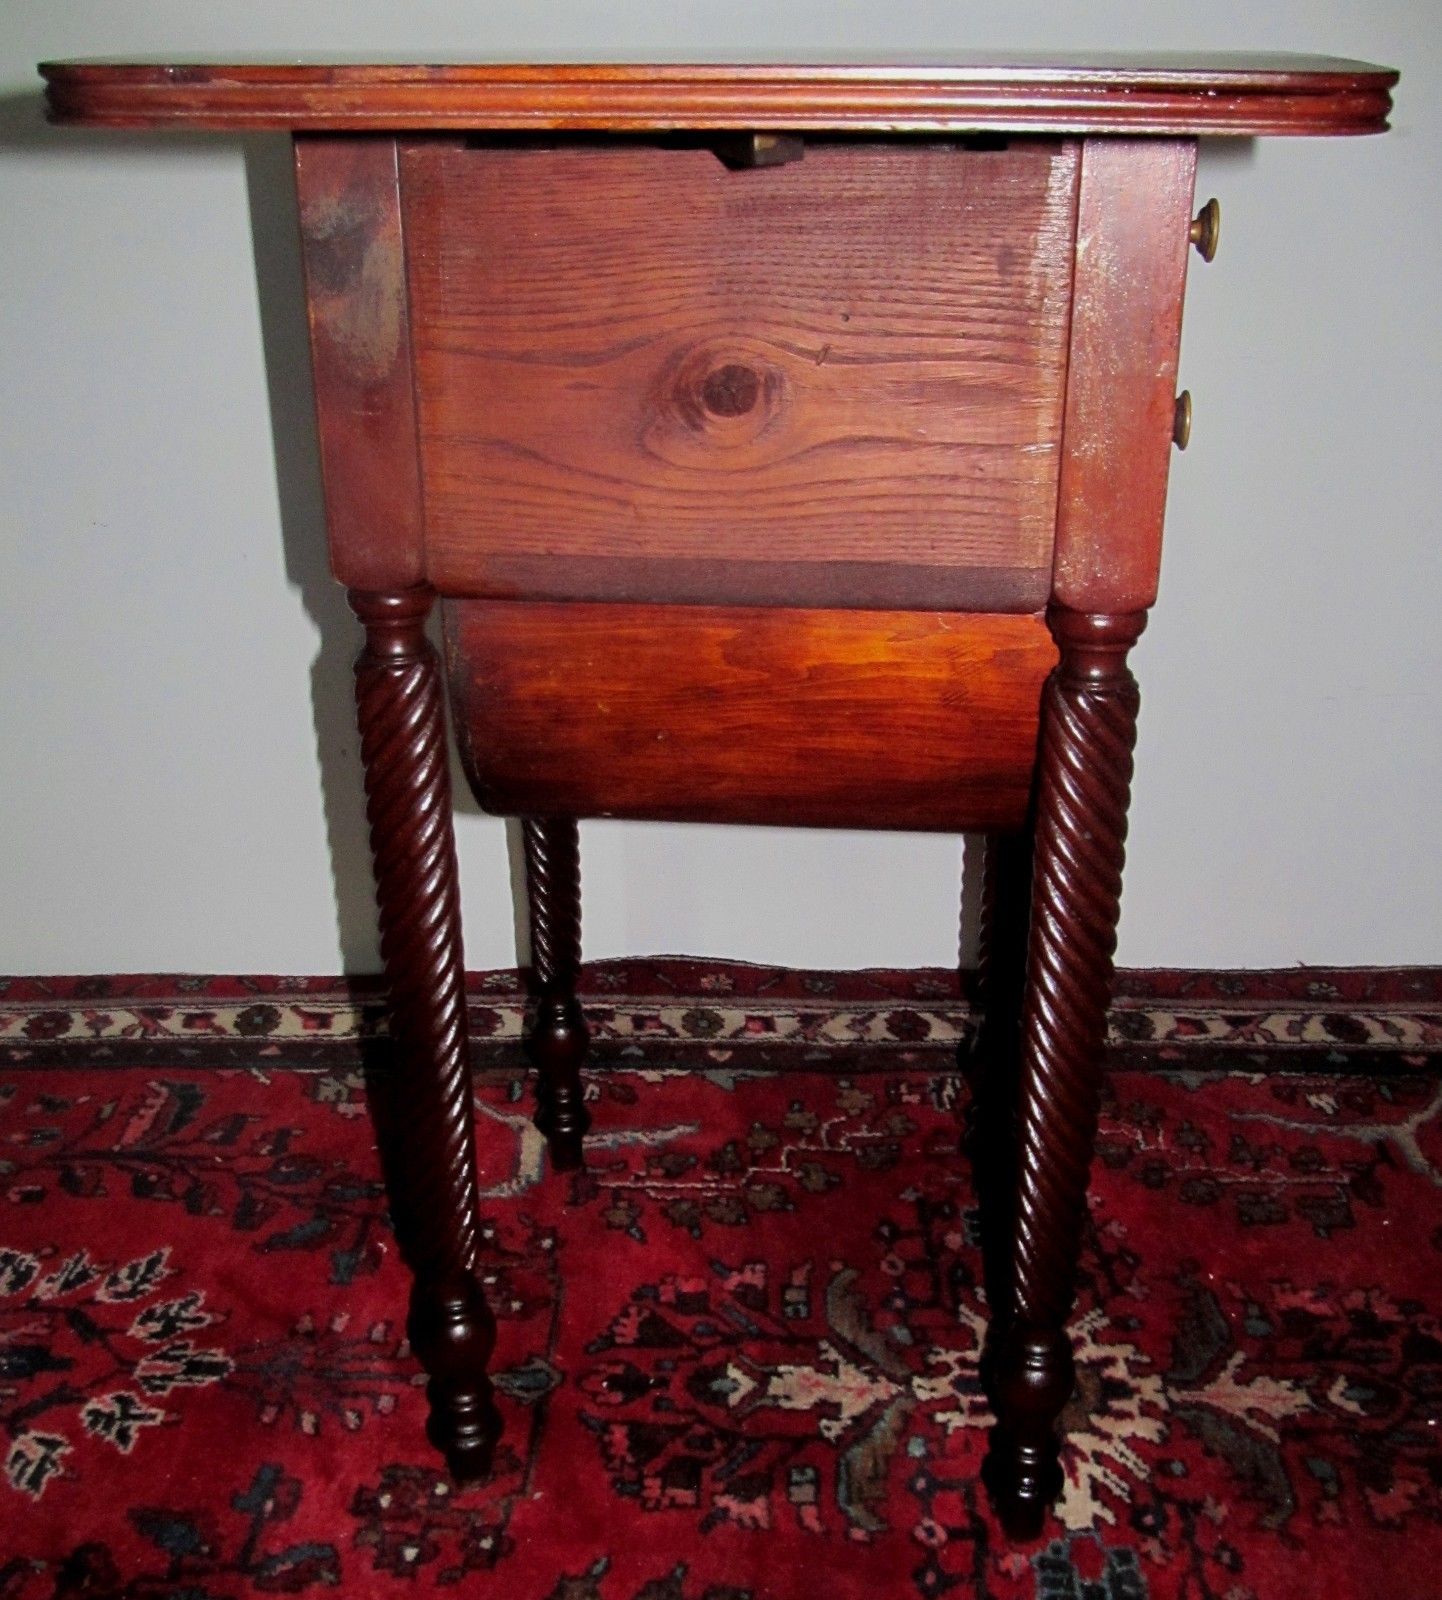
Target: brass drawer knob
{"x":1182,"y":420}
{"x":1206,"y":230}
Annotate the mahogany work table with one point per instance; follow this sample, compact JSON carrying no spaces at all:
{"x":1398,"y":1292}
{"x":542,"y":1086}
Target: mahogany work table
{"x":787,"y":444}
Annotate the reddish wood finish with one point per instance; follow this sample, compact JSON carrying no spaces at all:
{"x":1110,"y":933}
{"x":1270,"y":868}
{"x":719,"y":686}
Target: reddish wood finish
{"x":1084,"y":769}
{"x":350,"y":224}
{"x":812,"y":718}
{"x":558,"y":1033}
{"x":643,"y":375}
{"x":400,"y":709}
{"x":1216,"y":94}
{"x":1133,"y":236}
{"x":839,"y":379}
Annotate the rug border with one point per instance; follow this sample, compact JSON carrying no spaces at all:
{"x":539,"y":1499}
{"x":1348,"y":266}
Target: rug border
{"x":708,"y":1014}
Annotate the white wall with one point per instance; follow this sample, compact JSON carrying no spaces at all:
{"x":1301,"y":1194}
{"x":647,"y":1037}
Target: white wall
{"x":177,"y":783}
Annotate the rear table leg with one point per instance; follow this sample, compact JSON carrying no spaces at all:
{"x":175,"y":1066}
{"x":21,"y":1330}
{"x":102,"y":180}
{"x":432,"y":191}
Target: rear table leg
{"x":991,"y":1063}
{"x":558,"y":1037}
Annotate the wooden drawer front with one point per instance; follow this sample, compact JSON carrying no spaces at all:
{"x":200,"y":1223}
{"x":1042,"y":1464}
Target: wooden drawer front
{"x":714,"y":714}
{"x":643,"y":375}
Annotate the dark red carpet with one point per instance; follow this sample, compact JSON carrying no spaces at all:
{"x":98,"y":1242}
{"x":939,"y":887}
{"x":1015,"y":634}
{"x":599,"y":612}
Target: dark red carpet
{"x":738,"y":1356}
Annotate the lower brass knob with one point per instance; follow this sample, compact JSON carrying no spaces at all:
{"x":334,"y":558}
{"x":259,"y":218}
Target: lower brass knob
{"x":1206,"y":230}
{"x":1182,"y":420}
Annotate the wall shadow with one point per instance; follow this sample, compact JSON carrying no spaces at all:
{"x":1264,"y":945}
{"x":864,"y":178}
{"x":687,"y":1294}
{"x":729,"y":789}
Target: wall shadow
{"x":973,"y":853}
{"x":276,"y":257}
{"x":275,"y":230}
{"x":275,"y":238}
{"x":23,"y":129}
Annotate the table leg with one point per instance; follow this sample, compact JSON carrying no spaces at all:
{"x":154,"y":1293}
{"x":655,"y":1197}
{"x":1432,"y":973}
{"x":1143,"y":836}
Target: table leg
{"x":433,"y":1171}
{"x":996,"y":991}
{"x":558,"y":1034}
{"x":991,"y":1063}
{"x":1088,"y":728}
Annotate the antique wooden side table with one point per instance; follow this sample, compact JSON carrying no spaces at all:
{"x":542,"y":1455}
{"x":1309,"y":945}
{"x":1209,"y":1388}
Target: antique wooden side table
{"x":787,"y":444}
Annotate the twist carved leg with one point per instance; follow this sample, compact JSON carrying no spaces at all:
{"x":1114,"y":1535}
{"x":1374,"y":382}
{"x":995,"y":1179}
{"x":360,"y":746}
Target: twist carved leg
{"x":1088,"y":728}
{"x":558,"y":1033}
{"x":433,"y":1177}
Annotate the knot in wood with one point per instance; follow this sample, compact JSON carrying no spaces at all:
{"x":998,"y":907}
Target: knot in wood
{"x":712,"y":395}
{"x":730,"y":390}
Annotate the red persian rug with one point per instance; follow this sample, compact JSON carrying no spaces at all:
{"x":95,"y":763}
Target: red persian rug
{"x":738,"y":1354}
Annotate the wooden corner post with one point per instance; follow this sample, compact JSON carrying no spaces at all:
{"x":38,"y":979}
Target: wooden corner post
{"x":360,"y":349}
{"x":1133,"y":234}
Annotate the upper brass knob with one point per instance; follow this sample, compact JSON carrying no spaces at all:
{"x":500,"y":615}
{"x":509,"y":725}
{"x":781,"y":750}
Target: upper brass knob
{"x":1182,"y":420}
{"x":1206,"y":230}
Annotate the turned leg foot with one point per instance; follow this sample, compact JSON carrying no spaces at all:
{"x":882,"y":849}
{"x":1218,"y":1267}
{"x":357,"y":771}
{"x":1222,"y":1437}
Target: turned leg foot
{"x":452,"y":1330}
{"x":558,"y":1037}
{"x":1084,"y":767}
{"x":1032,"y":1377}
{"x":431,"y":1166}
{"x":558,"y":1047}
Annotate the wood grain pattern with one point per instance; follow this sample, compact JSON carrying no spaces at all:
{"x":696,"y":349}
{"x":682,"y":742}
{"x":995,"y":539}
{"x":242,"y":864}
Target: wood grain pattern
{"x":1133,"y":241}
{"x":354,"y":260}
{"x":1099,"y":93}
{"x":628,"y":358}
{"x":813,"y":718}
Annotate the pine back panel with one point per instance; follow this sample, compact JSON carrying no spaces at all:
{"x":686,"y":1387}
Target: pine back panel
{"x":644,"y":375}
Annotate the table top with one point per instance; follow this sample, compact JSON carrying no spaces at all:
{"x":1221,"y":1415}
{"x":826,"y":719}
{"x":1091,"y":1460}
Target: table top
{"x":1179,"y":95}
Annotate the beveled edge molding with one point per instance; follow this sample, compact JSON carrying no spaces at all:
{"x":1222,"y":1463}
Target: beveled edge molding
{"x":1181,"y":96}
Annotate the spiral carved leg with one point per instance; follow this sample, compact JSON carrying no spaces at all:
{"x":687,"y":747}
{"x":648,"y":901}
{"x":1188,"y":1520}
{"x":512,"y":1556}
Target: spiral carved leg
{"x":1084,"y":771}
{"x":558,"y":1033}
{"x":433,"y":1165}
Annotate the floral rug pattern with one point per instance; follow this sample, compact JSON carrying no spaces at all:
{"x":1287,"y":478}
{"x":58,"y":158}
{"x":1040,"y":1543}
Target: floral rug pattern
{"x":738,"y":1353}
